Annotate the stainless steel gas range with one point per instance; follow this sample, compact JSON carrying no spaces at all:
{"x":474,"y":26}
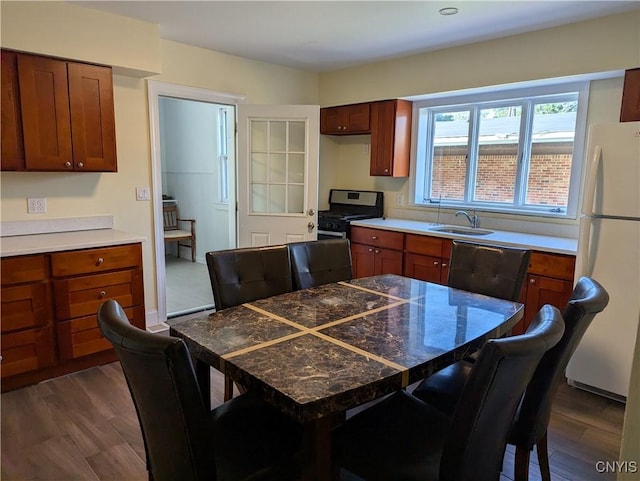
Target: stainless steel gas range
{"x":345,"y":206}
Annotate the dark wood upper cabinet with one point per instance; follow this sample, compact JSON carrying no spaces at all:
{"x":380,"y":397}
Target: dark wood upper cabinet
{"x":12,"y":141}
{"x":390,"y":138}
{"x":44,"y":98}
{"x":92,"y":118}
{"x":630,"y":110}
{"x":345,"y":120}
{"x":59,"y":115}
{"x":388,"y":122}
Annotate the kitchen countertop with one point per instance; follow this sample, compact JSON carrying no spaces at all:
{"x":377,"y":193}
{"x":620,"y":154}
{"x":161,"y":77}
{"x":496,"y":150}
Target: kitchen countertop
{"x":544,"y":243}
{"x":64,"y":241}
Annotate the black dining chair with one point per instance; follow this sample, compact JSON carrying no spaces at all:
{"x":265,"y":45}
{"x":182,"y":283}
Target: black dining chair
{"x":247,"y":274}
{"x":319,"y":262}
{"x":443,"y":389}
{"x":405,"y":439}
{"x":495,"y":271}
{"x":241,"y":439}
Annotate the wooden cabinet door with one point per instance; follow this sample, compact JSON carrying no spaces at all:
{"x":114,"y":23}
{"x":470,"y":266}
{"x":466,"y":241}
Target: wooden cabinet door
{"x":12,"y":143}
{"x":542,"y":290}
{"x":390,"y":138}
{"x":44,"y":100}
{"x":388,"y":262}
{"x":26,"y":306}
{"x":330,"y":120}
{"x":357,"y":118}
{"x":425,"y":268}
{"x":92,"y":118}
{"x":363,"y":260}
{"x":27,"y":351}
{"x":630,"y":109}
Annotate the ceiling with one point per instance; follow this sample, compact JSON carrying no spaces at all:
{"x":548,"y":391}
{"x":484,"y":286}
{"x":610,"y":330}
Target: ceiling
{"x":329,"y":35}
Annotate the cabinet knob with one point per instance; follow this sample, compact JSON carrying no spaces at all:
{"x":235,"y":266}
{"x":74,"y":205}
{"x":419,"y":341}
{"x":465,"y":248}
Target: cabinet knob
{"x":102,"y":294}
{"x":374,"y":237}
{"x":370,"y":250}
{"x":99,"y":261}
{"x":377,"y":251}
{"x":386,"y":170}
{"x":80,"y":164}
{"x":444,"y":265}
{"x":532,"y":281}
{"x":435,"y":263}
{"x":67,"y":164}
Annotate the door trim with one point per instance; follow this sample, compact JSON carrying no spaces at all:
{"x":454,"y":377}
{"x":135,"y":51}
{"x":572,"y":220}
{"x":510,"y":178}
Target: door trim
{"x":161,"y":89}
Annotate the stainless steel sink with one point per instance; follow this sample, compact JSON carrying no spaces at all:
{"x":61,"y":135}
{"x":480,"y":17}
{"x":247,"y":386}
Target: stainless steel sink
{"x":454,"y":229}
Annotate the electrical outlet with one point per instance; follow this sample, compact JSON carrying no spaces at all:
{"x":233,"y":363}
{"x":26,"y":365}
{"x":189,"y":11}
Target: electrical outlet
{"x":365,"y":149}
{"x":399,"y":199}
{"x":142,"y":193}
{"x":36,"y":205}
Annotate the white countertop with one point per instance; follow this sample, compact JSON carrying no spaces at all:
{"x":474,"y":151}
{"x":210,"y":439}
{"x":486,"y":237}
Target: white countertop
{"x":544,"y":243}
{"x":64,"y":241}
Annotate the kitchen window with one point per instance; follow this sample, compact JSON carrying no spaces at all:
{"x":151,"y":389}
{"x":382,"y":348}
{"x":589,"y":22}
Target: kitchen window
{"x":516,"y":150}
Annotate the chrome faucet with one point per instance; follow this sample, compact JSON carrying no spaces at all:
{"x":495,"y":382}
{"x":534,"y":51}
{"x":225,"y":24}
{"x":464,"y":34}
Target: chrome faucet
{"x":473,"y":219}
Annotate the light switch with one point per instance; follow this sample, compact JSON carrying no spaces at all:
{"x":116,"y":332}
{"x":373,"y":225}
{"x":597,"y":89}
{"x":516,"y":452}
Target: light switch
{"x":143,"y":193}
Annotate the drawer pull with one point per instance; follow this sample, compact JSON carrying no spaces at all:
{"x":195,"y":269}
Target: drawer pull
{"x":102,"y":294}
{"x":99,"y":261}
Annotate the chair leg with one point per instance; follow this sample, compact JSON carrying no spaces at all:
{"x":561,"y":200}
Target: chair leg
{"x":193,"y":249}
{"x":228,"y":388}
{"x":521,"y":470}
{"x":543,"y":458}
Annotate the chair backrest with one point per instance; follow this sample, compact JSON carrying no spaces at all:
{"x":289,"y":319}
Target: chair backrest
{"x":170,"y":217}
{"x":477,"y":438}
{"x":588,"y":299}
{"x":320,"y":262}
{"x":495,"y":271}
{"x":247,"y":274}
{"x":166,"y":395}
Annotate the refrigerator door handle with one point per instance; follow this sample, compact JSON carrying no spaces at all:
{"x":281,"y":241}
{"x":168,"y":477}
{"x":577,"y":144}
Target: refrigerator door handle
{"x":590,"y":181}
{"x":584,"y":247}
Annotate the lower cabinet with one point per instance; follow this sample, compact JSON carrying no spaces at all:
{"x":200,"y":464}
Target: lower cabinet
{"x":549,"y":281}
{"x":49,"y":309}
{"x":375,"y":252}
{"x":427,"y":258}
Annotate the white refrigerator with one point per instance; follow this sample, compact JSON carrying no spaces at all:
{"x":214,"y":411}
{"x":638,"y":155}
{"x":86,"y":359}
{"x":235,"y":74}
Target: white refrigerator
{"x":609,"y":252}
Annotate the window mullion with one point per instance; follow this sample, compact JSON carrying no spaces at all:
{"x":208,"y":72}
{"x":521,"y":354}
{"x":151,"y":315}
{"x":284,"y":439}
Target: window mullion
{"x":472,"y":154}
{"x":524,"y":153}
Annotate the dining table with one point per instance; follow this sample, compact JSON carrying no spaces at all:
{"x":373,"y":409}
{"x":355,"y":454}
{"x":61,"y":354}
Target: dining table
{"x":317,"y":353}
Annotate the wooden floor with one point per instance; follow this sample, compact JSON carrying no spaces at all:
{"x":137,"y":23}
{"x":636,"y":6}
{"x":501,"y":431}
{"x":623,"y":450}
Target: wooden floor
{"x":84,"y":427}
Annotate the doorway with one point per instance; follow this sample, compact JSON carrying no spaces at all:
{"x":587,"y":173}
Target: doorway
{"x":193,"y":164}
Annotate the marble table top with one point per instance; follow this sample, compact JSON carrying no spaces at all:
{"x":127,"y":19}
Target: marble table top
{"x":330,"y":348}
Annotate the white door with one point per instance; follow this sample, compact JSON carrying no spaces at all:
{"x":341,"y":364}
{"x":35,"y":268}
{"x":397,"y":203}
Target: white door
{"x":277,"y":173}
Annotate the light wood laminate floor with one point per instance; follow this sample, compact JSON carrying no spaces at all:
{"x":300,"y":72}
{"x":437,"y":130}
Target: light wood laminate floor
{"x":83,"y":427}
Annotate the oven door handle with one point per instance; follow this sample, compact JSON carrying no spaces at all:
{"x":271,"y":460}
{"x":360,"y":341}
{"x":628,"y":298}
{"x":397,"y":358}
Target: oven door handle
{"x":327,"y":233}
